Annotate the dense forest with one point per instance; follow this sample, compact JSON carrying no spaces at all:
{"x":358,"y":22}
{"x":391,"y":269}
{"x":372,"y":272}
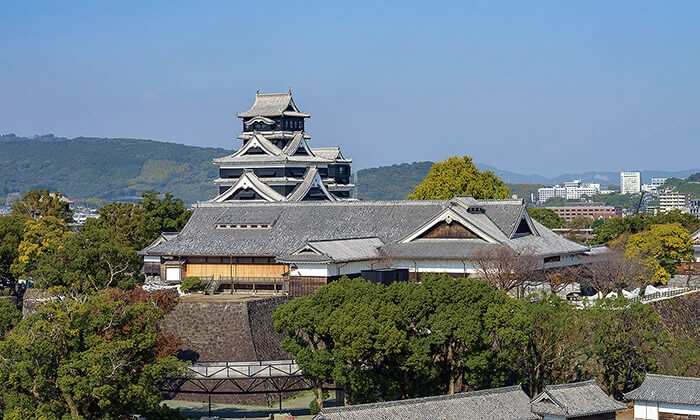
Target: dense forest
{"x":115,"y":168}
{"x":106,"y":168}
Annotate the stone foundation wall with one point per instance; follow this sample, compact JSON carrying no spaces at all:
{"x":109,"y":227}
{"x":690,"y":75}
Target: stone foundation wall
{"x":233,"y":331}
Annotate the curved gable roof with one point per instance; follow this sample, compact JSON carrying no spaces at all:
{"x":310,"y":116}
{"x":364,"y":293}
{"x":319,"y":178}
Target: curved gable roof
{"x":273,"y":105}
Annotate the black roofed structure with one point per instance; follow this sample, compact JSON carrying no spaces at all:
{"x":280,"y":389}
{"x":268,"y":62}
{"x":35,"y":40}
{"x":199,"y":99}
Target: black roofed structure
{"x":297,"y":242}
{"x":509,"y":403}
{"x":666,"y":398}
{"x":579,"y":400}
{"x":275,"y":162}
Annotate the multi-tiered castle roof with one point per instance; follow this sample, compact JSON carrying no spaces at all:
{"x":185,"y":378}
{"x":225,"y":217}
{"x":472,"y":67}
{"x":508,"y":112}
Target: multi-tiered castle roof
{"x":275,"y":162}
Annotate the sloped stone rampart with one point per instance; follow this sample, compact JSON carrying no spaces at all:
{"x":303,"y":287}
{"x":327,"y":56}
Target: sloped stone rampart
{"x":232,"y":331}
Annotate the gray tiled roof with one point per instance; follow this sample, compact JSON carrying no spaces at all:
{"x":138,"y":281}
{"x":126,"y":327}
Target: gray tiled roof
{"x":303,"y":188}
{"x":667,"y":389}
{"x":260,"y":186}
{"x":508,"y":403}
{"x":329,"y":153}
{"x":574,"y":400}
{"x":272,"y":105}
{"x":267,"y":159}
{"x":297,"y":223}
{"x":344,"y":250}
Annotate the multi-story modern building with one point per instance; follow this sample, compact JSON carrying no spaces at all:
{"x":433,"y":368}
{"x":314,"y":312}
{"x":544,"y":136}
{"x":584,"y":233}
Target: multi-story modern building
{"x":694,"y":208}
{"x":572,"y":190}
{"x":672,"y":200}
{"x":657,"y":182}
{"x":653,"y":188}
{"x":587,"y":210}
{"x":630,"y":182}
{"x":545,"y":193}
{"x":275,"y":163}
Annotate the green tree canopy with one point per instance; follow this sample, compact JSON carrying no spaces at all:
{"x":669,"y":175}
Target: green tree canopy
{"x":42,"y":203}
{"x":459,"y":176}
{"x":407,"y":339}
{"x":39,"y":236}
{"x":139,"y":224}
{"x":665,"y":246}
{"x":9,"y":316}
{"x":85,"y":357}
{"x":88,"y":262}
{"x":546,"y":216}
{"x":448,"y":335}
{"x":11,"y":235}
{"x":613,"y":228}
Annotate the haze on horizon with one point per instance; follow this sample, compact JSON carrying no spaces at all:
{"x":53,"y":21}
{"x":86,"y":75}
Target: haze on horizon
{"x":541,"y":87}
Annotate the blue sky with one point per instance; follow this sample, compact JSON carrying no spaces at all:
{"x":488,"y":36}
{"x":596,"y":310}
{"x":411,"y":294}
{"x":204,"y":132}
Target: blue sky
{"x":532,"y":87}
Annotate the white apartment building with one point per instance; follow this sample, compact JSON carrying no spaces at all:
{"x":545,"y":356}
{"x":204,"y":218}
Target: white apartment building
{"x":630,"y":182}
{"x":653,"y":188}
{"x":672,"y":200}
{"x":546,"y":193}
{"x":657,"y":182}
{"x":574,"y":193}
{"x":694,"y":208}
{"x":572,"y":190}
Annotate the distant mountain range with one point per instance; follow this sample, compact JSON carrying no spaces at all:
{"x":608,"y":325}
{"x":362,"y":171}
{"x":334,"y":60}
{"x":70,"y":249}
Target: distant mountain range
{"x":602,"y":177}
{"x":115,"y":169}
{"x":396,"y":181}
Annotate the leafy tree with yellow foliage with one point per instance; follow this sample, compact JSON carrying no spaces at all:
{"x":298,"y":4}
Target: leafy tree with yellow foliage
{"x":662,"y":247}
{"x":459,"y":176}
{"x":39,"y":236}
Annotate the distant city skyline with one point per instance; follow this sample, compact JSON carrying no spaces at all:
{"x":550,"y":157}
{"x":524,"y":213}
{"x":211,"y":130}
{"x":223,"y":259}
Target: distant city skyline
{"x":535,"y":88}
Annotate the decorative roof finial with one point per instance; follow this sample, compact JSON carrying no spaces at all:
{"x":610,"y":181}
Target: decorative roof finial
{"x":290,"y":91}
{"x":257,"y":92}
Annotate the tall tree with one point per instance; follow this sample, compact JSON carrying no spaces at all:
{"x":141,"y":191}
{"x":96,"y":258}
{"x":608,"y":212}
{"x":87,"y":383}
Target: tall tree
{"x":11,"y":235}
{"x":555,"y":341}
{"x":9,"y":316}
{"x":616,"y":272}
{"x":546,"y":216}
{"x":85,"y":357}
{"x":42,"y":203}
{"x":139,"y":224}
{"x":459,"y":176}
{"x":624,"y":341}
{"x":506,"y":268}
{"x":407,"y":339}
{"x":88,"y":262}
{"x":39,"y":236}
{"x":664,"y":247}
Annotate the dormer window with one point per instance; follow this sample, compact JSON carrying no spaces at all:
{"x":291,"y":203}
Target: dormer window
{"x":243,"y":226}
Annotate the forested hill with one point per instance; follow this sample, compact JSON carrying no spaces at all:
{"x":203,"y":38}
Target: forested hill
{"x":106,"y":168}
{"x":393,"y":182}
{"x":114,"y":169}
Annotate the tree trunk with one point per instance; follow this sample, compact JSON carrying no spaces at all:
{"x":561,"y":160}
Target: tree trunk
{"x":71,"y":405}
{"x":319,"y":396}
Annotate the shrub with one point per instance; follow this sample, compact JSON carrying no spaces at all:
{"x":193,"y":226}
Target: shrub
{"x":191,"y":284}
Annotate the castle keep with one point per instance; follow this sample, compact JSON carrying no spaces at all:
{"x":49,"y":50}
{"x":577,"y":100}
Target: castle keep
{"x":275,"y":162}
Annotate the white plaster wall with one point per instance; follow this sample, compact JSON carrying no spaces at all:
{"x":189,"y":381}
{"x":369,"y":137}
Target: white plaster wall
{"x":172,"y":274}
{"x":565,"y":261}
{"x":679,"y":409}
{"x":434,"y":266}
{"x":349,"y":268}
{"x":644,"y":410}
{"x":311,"y":270}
